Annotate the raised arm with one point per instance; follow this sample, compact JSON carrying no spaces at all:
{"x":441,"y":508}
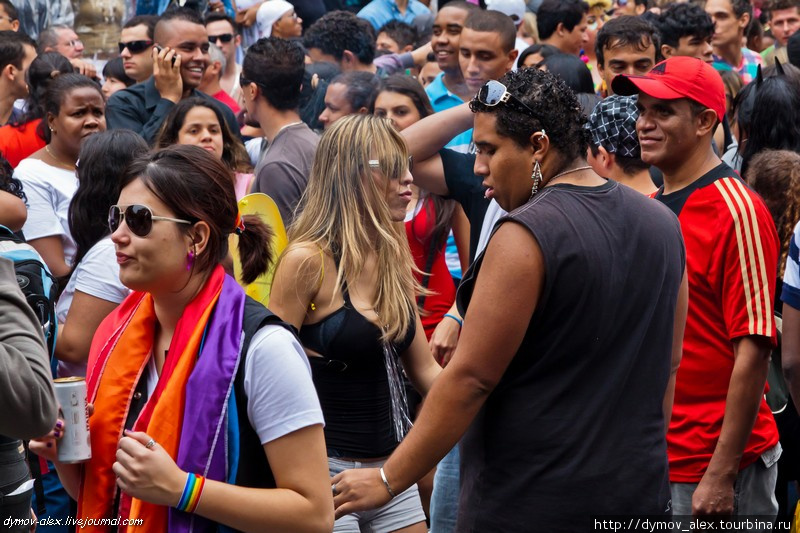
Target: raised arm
{"x":426,"y":137}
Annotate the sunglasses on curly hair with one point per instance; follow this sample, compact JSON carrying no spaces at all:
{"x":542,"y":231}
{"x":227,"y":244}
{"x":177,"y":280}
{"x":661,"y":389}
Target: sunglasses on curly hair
{"x":139,"y":219}
{"x":494,"y":93}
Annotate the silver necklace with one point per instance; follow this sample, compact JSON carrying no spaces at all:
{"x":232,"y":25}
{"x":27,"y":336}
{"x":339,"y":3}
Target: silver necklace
{"x":587,"y":167}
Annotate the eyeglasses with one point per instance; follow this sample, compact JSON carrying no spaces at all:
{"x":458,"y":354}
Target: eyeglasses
{"x":225,"y":38}
{"x":139,"y":219}
{"x":494,"y":93}
{"x":135,"y":47}
{"x":374,"y":163}
{"x":9,"y":19}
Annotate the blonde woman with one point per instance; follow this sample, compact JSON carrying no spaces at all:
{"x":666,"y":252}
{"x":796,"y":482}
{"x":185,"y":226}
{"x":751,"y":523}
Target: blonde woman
{"x":346,"y":281}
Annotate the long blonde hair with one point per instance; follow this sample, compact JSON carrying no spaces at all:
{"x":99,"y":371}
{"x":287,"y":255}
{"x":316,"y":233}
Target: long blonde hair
{"x":344,"y":212}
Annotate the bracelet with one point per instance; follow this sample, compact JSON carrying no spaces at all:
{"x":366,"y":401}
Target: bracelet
{"x":454,"y":317}
{"x":191,"y":493}
{"x":386,"y":484}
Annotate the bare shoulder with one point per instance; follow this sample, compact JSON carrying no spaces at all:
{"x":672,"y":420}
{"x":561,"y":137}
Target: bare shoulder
{"x":302,"y":260}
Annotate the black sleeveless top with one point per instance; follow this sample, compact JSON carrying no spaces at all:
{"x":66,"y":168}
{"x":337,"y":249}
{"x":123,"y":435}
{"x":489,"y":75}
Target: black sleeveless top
{"x":575,"y":427}
{"x":352,"y":383}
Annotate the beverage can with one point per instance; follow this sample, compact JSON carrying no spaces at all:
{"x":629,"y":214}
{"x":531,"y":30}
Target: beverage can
{"x":75,"y":446}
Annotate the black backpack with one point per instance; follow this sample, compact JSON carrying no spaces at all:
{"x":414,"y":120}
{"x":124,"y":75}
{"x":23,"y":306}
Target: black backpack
{"x":38,"y":285}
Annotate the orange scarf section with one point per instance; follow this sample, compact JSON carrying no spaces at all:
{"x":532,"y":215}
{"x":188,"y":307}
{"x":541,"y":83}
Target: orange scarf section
{"x":120,"y":361}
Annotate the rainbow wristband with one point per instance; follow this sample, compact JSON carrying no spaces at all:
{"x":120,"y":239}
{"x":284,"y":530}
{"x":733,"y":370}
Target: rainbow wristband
{"x":191,"y":493}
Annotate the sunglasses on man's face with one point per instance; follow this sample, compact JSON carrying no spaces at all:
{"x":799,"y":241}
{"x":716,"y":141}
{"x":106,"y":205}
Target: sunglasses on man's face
{"x":138,"y":218}
{"x":225,"y":38}
{"x":494,"y":93}
{"x":135,"y":47}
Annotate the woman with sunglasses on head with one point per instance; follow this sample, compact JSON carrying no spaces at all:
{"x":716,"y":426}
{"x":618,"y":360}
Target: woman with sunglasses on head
{"x":20,"y":139}
{"x":204,"y":409}
{"x":94,"y":288}
{"x":74,"y":109}
{"x":560,"y":387}
{"x":346,"y":281}
{"x":198,"y":122}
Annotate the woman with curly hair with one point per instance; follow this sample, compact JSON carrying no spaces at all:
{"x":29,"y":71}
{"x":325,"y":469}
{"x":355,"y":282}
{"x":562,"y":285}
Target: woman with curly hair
{"x":346,"y":281}
{"x":198,"y":122}
{"x":559,"y":389}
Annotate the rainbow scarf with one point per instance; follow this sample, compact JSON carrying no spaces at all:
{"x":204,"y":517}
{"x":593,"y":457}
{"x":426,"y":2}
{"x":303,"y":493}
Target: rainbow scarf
{"x":188,"y":414}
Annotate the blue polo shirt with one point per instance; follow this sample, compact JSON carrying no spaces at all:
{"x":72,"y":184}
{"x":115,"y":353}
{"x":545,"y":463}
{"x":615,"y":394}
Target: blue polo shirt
{"x":379,"y":12}
{"x":442,"y":99}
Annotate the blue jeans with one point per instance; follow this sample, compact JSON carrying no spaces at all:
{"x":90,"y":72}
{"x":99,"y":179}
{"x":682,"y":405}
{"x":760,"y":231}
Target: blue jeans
{"x":446,"y":486}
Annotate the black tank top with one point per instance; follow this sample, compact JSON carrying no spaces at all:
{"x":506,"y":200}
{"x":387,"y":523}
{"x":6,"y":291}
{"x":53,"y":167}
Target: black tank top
{"x":575,"y":426}
{"x":352,"y":383}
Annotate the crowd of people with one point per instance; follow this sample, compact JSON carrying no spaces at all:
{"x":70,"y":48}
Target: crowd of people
{"x":542,"y":258}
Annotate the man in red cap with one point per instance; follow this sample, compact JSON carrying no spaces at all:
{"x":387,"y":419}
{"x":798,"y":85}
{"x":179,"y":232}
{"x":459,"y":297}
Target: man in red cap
{"x":722,"y":439}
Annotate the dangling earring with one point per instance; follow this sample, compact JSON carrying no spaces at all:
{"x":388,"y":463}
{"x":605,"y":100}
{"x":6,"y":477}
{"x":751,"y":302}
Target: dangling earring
{"x":190,"y":260}
{"x":536,"y":176}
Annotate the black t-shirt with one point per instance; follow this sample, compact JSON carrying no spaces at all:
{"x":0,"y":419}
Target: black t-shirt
{"x":575,"y":427}
{"x":466,"y":188}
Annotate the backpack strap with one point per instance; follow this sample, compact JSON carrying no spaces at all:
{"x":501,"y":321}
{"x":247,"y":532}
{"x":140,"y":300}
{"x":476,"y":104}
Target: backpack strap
{"x":253,"y":469}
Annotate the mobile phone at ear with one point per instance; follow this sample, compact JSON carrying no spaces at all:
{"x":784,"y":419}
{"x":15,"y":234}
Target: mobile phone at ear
{"x":173,"y":57}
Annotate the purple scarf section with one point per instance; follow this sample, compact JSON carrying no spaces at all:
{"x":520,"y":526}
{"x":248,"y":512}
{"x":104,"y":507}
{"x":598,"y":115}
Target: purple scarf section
{"x":203,"y":445}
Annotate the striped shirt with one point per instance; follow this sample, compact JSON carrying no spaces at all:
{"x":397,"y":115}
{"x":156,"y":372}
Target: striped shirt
{"x":731,"y":262}
{"x":791,"y":277}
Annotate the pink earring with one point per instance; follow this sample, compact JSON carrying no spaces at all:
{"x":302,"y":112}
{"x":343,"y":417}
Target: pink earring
{"x":190,"y":260}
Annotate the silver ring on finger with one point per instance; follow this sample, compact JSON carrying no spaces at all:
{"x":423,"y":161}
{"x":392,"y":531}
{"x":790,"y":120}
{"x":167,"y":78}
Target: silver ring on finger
{"x":333,"y":489}
{"x":150,"y":444}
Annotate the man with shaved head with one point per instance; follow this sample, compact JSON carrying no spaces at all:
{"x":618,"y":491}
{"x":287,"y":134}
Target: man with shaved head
{"x":180,"y":57}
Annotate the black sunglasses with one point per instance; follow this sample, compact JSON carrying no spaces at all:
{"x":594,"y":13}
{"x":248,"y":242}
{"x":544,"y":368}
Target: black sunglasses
{"x":139,"y":219}
{"x":494,"y":93}
{"x":224,"y":37}
{"x":135,"y":47}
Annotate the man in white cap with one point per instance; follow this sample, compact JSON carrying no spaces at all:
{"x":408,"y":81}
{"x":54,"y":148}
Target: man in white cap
{"x":277,"y":18}
{"x":515,"y":9}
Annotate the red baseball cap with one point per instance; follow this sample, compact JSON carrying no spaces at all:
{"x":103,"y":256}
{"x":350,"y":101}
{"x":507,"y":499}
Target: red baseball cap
{"x":677,"y":77}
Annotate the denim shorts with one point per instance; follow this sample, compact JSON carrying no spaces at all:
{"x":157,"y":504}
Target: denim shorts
{"x":403,"y":510}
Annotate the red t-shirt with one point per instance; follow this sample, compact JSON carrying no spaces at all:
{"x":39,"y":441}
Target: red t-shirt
{"x":731,"y":261}
{"x":226,"y":99}
{"x":440,"y":282}
{"x":17,"y":143}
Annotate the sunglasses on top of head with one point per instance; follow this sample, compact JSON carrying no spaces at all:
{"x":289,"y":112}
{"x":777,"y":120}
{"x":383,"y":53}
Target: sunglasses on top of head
{"x":135,"y":47}
{"x":494,"y":93}
{"x":139,"y":219}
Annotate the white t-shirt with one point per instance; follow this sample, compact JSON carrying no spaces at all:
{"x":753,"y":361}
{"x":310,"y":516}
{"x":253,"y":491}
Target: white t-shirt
{"x":49,"y":191}
{"x":281,"y":397}
{"x":96,"y":275}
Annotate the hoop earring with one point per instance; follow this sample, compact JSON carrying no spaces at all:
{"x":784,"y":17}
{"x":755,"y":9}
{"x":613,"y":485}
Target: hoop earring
{"x":536,"y":176}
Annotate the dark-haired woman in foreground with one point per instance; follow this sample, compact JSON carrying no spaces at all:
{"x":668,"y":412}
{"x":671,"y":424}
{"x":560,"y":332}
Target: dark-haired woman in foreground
{"x":561,"y":382}
{"x":204,"y":408}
